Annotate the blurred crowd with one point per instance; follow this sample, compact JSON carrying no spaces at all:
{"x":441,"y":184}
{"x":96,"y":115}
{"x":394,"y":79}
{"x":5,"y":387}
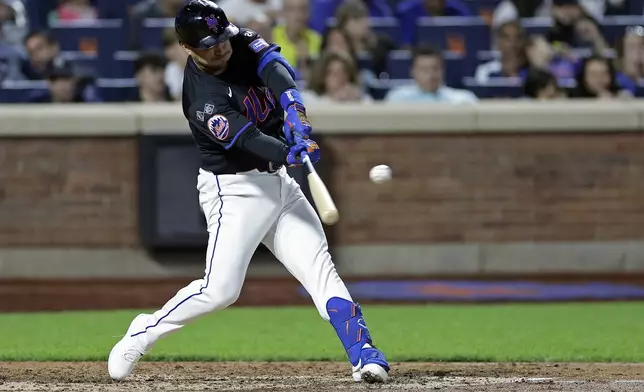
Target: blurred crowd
{"x":340,"y":54}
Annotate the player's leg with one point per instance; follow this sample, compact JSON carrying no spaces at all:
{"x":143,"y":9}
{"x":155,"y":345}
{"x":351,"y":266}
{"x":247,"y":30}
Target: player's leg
{"x":297,"y":239}
{"x":239,"y":210}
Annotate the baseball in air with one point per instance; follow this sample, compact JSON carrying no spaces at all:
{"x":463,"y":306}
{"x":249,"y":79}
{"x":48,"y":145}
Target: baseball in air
{"x":380,"y":174}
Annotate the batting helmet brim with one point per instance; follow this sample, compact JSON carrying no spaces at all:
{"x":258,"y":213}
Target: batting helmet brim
{"x":215,"y":39}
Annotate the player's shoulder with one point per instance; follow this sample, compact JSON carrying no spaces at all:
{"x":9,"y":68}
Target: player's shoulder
{"x":251,"y":40}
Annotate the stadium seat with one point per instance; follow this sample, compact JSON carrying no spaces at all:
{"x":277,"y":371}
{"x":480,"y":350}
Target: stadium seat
{"x":114,"y":9}
{"x":495,"y":88}
{"x":116,"y":90}
{"x":536,"y":26}
{"x":386,"y":26}
{"x":100,"y":38}
{"x":399,"y":65}
{"x":614,"y":27}
{"x":465,"y":35}
{"x":12,"y":91}
{"x":151,"y":32}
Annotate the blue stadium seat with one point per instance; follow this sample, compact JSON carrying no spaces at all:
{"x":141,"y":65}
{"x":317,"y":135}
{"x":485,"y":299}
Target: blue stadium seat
{"x":386,"y":26}
{"x":466,"y":35}
{"x":614,"y":27}
{"x":151,"y":32}
{"x":87,"y":61}
{"x":536,"y":26}
{"x":482,"y":7}
{"x":21,"y":91}
{"x":124,"y":63}
{"x":114,"y":9}
{"x":116,"y":90}
{"x":101,"y":38}
{"x":399,"y":65}
{"x":495,"y":88}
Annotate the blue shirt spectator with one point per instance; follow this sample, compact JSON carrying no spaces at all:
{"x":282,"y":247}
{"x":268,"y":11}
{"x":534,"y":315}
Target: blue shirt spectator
{"x":322,"y":10}
{"x":410,"y":10}
{"x":429,"y":86}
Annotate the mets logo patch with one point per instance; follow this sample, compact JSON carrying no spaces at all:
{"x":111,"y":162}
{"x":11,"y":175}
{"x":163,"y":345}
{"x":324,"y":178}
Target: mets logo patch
{"x":257,"y":45}
{"x":219,"y":126}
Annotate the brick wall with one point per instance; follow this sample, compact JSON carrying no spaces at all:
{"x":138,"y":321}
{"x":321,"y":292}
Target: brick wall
{"x":446,"y":188}
{"x":68,"y":192}
{"x":489,"y":188}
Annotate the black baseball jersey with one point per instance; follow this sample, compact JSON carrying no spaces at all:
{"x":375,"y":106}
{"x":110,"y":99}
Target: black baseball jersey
{"x":220,"y":108}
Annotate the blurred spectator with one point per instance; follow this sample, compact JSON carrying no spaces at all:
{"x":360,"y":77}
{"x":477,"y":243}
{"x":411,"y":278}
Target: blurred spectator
{"x":597,"y":79}
{"x":65,"y":85}
{"x":14,"y":25}
{"x":353,"y":18}
{"x":150,"y":9}
{"x":42,"y":51}
{"x":338,"y":40}
{"x":573,"y":27}
{"x":263,"y":25}
{"x":149,"y":71}
{"x":542,"y":56}
{"x":10,"y":63}
{"x":542,"y":85}
{"x":510,"y":42}
{"x":509,"y":10}
{"x":177,"y":58}
{"x":242,"y":11}
{"x":71,"y":10}
{"x":300,"y":44}
{"x":629,"y":62}
{"x":513,"y":9}
{"x":334,"y":79}
{"x":409,"y":11}
{"x":428,"y":74}
{"x":323,"y":10}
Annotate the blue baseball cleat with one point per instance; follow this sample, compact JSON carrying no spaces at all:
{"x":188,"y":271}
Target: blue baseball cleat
{"x":368,"y":363}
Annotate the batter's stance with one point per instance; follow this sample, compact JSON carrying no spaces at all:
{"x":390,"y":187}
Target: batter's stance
{"x":231,"y":83}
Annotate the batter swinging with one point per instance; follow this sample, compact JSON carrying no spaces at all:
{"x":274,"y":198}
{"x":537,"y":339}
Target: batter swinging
{"x":231,"y":82}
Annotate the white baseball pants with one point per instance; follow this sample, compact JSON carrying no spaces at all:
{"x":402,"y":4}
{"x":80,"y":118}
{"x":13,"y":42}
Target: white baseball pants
{"x":242,"y":211}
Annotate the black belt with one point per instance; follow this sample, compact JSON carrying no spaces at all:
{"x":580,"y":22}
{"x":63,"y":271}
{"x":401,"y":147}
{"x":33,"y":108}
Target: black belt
{"x":273,"y":167}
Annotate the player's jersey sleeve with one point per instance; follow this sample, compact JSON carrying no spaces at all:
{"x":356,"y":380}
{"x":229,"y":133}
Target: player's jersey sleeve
{"x":257,"y":46}
{"x":215,"y":117}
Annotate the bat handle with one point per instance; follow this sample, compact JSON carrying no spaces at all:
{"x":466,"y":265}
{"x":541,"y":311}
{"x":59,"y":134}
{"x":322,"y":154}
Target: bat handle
{"x":307,"y":162}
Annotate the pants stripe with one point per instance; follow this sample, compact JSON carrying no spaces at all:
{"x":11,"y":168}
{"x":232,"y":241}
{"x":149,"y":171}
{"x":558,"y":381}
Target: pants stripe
{"x":212,"y":256}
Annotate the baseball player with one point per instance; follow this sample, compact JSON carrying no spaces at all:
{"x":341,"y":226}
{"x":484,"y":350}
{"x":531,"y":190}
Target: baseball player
{"x":248,"y":121}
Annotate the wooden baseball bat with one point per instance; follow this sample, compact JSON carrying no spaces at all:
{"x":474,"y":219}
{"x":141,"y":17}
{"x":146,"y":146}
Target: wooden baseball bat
{"x":323,"y":201}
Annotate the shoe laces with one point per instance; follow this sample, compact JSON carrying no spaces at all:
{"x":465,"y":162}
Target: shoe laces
{"x":132,"y":354}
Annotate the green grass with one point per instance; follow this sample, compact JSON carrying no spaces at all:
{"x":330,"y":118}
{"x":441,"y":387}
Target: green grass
{"x":560,"y":332}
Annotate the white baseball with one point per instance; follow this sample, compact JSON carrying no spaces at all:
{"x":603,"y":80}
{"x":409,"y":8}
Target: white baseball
{"x":380,"y":174}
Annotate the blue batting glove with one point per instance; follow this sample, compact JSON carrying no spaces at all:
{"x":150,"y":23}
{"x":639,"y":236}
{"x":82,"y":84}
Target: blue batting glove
{"x":305,"y":147}
{"x":296,"y":125}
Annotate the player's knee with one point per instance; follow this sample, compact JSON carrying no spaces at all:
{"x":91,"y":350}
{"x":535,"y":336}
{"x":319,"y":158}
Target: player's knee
{"x":222,"y":296}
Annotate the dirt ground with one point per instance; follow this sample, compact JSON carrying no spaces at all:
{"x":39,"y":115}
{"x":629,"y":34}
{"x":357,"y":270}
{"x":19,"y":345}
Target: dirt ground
{"x":322,"y":376}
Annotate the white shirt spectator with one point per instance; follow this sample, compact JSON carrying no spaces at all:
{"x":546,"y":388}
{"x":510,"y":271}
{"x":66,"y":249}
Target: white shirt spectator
{"x":174,"y":79}
{"x":486,"y":70}
{"x":243,"y":11}
{"x":445,"y":94}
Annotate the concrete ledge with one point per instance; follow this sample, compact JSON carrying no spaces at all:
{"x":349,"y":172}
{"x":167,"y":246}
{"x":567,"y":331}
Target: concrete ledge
{"x":66,"y":120}
{"x":489,"y":116}
{"x":351,"y":261}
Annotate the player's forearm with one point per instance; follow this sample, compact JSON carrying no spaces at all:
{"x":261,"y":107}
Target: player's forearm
{"x":278,"y":77}
{"x":263,"y":146}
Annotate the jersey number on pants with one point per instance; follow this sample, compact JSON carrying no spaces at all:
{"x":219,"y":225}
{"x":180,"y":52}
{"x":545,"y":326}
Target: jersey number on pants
{"x":259,"y":105}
